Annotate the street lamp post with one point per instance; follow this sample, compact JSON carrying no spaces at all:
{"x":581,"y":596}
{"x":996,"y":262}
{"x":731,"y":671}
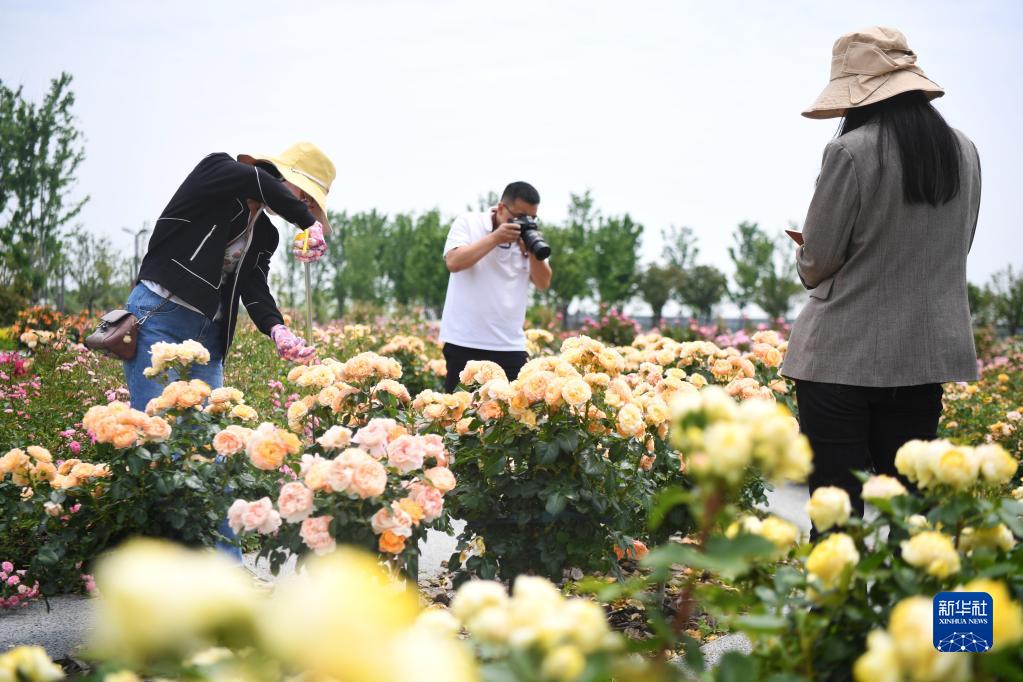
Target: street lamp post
{"x":137,"y":235}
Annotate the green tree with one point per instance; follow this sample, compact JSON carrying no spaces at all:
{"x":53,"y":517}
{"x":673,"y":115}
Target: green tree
{"x":680,"y":247}
{"x":571,"y":255}
{"x":750,"y":256}
{"x":616,"y":258}
{"x":701,"y":287}
{"x":656,"y":285}
{"x":1007,"y":298}
{"x":356,"y":252}
{"x":426,"y":272}
{"x":778,"y":281}
{"x":94,"y":268}
{"x":981,"y":303}
{"x":40,"y":151}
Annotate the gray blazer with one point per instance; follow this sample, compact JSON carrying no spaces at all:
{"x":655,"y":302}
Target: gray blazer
{"x":887,"y":279}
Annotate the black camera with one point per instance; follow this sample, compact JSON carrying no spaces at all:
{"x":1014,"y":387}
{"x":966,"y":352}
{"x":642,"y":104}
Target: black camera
{"x":532,"y":239}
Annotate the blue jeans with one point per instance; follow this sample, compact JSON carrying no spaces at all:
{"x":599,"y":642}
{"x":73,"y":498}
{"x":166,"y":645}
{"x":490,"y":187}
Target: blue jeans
{"x":173,"y":323}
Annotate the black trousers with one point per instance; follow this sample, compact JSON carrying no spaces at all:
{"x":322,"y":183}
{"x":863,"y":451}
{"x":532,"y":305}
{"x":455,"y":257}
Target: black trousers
{"x":856,"y":428}
{"x":457,"y":357}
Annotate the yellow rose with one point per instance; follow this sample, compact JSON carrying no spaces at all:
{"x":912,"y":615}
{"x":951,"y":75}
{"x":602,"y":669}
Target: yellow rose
{"x":828,"y":506}
{"x":563,"y":664}
{"x":243,"y":413}
{"x":957,"y":468}
{"x":996,"y":465}
{"x":932,"y":551}
{"x":1007,"y":613}
{"x":576,"y":391}
{"x":879,"y":663}
{"x":911,"y":630}
{"x":832,"y":559}
{"x":782,"y":534}
{"x":996,"y":537}
{"x":630,"y":420}
{"x":882,"y":487}
{"x":730,"y":449}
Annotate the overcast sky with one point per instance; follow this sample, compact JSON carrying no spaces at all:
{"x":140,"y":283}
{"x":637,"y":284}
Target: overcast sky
{"x":682,"y":113}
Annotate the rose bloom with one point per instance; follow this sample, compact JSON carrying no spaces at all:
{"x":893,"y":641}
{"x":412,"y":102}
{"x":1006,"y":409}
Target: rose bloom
{"x":316,"y":535}
{"x":317,"y":474}
{"x":490,"y":410}
{"x":932,"y":551}
{"x":243,"y":413}
{"x":433,"y":448}
{"x":882,"y":487}
{"x":259,"y":516}
{"x":957,"y":468}
{"x":373,"y":436}
{"x":156,"y":429}
{"x":295,"y":502}
{"x":39,"y":454}
{"x":441,"y":478}
{"x":339,"y":475}
{"x":630,"y":420}
{"x":390,"y":543}
{"x":412,"y":508}
{"x":265,"y":452}
{"x":335,"y":438}
{"x":831,"y":558}
{"x":429,"y":498}
{"x":1007,"y":614}
{"x":231,"y":441}
{"x":996,"y":465}
{"x":369,"y":479}
{"x":124,"y":437}
{"x":406,"y":454}
{"x":828,"y":506}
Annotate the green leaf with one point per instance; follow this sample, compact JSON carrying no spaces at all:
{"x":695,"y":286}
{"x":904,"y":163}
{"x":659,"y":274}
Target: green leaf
{"x":568,"y":441}
{"x":664,"y":502}
{"x":547,"y":453}
{"x":763,"y":623}
{"x":1011,"y":520}
{"x":736,"y":667}
{"x":556,"y":502}
{"x":495,"y":466}
{"x":591,"y":463}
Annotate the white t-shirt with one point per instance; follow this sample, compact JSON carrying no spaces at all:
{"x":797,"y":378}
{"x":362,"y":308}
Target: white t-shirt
{"x":485,"y":306}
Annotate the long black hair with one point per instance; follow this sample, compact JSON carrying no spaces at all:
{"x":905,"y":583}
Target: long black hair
{"x":928,"y":147}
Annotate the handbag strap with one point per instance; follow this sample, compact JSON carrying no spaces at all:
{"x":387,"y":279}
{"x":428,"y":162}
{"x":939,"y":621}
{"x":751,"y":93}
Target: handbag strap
{"x":145,"y":317}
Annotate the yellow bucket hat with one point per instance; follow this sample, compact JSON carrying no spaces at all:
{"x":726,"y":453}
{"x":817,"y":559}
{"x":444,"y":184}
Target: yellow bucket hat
{"x":304,"y":165}
{"x":868,"y":66}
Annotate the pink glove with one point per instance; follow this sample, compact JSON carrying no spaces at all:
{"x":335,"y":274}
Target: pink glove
{"x":312,"y":250}
{"x":290,"y":347}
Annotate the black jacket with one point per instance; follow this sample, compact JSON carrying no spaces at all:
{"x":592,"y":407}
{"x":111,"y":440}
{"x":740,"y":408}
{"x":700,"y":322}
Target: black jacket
{"x":186,"y":251}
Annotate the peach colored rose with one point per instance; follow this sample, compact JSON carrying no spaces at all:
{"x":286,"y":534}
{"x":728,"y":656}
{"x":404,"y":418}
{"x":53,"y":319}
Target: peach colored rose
{"x":490,"y":410}
{"x":390,"y":543}
{"x":429,"y":498}
{"x":441,"y":478}
{"x":39,"y":454}
{"x":339,"y":475}
{"x":231,"y":440}
{"x":44,"y":471}
{"x":373,"y":436}
{"x":156,"y":429}
{"x":295,"y":502}
{"x":369,"y":479}
{"x":315,"y":534}
{"x":335,"y":438}
{"x":412,"y":508}
{"x":124,"y":437}
{"x":317,"y":474}
{"x":433,"y":448}
{"x":406,"y":454}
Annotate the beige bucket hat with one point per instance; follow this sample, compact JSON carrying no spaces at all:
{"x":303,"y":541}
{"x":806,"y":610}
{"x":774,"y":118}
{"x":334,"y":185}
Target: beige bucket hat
{"x":868,"y":66}
{"x":304,"y":165}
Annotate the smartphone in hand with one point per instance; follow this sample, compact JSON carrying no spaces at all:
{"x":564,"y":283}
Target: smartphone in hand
{"x":797,"y":237}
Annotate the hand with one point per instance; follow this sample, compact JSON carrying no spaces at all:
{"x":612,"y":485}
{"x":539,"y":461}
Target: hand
{"x":290,"y":347}
{"x":312,"y":250}
{"x":506,"y":233}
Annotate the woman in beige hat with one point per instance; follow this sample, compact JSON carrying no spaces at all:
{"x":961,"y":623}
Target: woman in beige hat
{"x":210,"y":253}
{"x":883,"y":253}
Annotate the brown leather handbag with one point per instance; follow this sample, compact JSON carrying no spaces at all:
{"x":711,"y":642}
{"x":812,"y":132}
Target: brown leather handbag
{"x":117,"y":335}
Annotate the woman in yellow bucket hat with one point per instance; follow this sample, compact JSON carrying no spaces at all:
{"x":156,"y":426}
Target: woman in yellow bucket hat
{"x":210,"y":253}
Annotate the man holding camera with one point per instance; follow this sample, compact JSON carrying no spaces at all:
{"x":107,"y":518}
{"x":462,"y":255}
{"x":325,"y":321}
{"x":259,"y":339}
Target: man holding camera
{"x":492,"y":257}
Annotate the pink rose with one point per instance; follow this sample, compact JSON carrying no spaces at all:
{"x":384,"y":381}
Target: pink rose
{"x":295,"y":502}
{"x":75,"y":446}
{"x":406,"y":454}
{"x":430,"y":499}
{"x":7,"y":566}
{"x":384,"y":520}
{"x":373,"y":436}
{"x":315,"y":534}
{"x":441,"y":478}
{"x":259,"y":516}
{"x":369,"y":479}
{"x":13,"y":580}
{"x":433,"y":446}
